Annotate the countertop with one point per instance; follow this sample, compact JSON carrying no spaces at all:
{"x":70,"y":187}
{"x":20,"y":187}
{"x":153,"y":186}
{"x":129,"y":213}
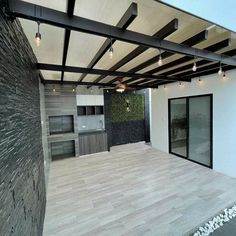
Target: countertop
{"x":92,"y":131}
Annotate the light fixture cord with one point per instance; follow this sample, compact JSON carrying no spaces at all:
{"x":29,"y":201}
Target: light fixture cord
{"x":38,"y":26}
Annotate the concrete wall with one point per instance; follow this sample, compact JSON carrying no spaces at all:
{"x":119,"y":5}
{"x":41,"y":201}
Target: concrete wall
{"x":224,"y":116}
{"x":22,"y":182}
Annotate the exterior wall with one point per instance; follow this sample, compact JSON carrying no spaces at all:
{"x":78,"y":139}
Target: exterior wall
{"x":22,"y":182}
{"x":47,"y":160}
{"x":224,"y":116}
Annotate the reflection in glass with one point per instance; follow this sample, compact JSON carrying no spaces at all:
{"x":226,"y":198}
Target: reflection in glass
{"x":178,"y":130}
{"x":199,"y":129}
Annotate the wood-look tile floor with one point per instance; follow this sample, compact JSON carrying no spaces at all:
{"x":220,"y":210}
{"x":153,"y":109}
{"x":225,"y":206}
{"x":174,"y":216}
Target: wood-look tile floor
{"x":133,"y":190}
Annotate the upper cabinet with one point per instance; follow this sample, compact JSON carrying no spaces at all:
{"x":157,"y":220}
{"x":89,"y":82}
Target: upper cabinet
{"x":90,"y":100}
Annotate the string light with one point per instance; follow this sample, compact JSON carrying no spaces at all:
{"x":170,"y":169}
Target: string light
{"x":38,"y":36}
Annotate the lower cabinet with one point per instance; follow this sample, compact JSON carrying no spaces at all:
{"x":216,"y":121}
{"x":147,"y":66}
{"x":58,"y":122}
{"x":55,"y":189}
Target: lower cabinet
{"x":92,"y":143}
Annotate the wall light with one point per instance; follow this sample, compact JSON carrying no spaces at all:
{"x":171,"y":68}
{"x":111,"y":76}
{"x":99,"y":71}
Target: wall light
{"x":225,"y":77}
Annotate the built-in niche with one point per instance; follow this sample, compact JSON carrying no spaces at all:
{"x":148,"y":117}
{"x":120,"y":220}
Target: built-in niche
{"x":62,"y":149}
{"x":89,"y":110}
{"x":61,"y":124}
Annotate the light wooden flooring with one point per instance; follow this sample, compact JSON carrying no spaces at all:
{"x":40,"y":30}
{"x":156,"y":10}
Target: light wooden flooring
{"x":133,"y":190}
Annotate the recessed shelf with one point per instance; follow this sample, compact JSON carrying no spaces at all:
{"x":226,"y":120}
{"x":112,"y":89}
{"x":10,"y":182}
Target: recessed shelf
{"x":90,"y":110}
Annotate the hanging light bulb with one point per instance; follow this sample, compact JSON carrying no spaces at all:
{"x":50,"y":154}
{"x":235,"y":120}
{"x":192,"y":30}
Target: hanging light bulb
{"x":73,"y":90}
{"x":111,"y":50}
{"x":38,"y":36}
{"x":54,"y":90}
{"x":160,"y":63}
{"x":220,"y":70}
{"x":194,"y":66}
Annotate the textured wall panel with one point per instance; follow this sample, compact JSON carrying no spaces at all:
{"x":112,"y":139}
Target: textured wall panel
{"x":60,"y":100}
{"x":22,"y":183}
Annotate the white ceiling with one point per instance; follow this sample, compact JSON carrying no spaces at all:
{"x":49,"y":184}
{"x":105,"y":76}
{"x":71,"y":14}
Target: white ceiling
{"x":152,"y":16}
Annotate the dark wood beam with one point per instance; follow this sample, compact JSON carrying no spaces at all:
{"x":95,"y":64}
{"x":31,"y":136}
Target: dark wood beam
{"x":56,"y":18}
{"x":76,"y":83}
{"x":70,"y":12}
{"x":73,"y":69}
{"x":165,"y":31}
{"x":124,"y":22}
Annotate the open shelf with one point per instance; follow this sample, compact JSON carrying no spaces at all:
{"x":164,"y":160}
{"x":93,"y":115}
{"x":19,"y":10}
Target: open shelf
{"x":90,"y":110}
{"x":81,"y":111}
{"x":99,"y":110}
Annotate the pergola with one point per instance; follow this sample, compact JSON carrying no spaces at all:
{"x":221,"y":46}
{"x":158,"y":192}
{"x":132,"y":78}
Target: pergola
{"x":146,"y":31}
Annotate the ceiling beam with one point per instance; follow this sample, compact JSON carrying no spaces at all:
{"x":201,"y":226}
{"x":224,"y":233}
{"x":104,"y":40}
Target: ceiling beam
{"x":124,"y":22}
{"x":165,"y":31}
{"x":207,"y":67}
{"x":76,"y":83}
{"x":195,"y":39}
{"x":73,"y":69}
{"x":70,"y":12}
{"x":202,"y":71}
{"x":56,"y":18}
{"x":212,"y":48}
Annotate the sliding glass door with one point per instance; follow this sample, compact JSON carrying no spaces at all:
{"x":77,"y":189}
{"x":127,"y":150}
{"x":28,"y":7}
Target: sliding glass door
{"x":178,"y":108}
{"x":190,"y":128}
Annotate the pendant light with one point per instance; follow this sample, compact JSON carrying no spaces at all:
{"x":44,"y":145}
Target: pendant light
{"x":194,"y":65}
{"x":160,"y":63}
{"x":38,"y":36}
{"x":111,"y":50}
{"x":220,"y":70}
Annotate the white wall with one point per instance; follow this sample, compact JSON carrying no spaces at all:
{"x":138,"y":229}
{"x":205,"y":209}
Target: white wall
{"x":224,"y":116}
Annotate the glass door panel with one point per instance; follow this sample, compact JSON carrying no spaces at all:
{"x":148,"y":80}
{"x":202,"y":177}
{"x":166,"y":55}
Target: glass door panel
{"x":200,"y":129}
{"x":178,"y":126}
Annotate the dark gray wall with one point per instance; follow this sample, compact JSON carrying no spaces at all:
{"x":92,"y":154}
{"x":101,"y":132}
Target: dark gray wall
{"x":22,"y":183}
